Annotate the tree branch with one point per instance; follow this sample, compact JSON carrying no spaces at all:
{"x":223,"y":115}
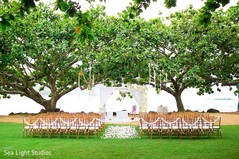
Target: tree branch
{"x":167,"y":89}
{"x":231,"y":83}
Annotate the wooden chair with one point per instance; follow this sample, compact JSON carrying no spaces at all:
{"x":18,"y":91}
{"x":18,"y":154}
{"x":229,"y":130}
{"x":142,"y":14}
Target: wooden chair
{"x":30,"y":125}
{"x":169,"y":126}
{"x":67,"y":126}
{"x":144,"y":126}
{"x":212,"y":125}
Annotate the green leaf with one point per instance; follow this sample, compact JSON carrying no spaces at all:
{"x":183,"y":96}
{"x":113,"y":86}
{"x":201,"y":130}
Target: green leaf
{"x":3,"y":27}
{"x":86,"y":15}
{"x":90,"y":36}
{"x":11,"y":17}
{"x":146,"y":5}
{"x":170,"y":3}
{"x":63,"y":6}
{"x":131,"y":15}
{"x":15,"y":6}
{"x":225,"y":2}
{"x":32,"y":4}
{"x":71,"y":12}
{"x":4,"y":23}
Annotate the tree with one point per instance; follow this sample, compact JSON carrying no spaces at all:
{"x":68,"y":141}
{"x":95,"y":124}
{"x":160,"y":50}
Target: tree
{"x":210,"y":6}
{"x":72,"y":8}
{"x":179,"y":53}
{"x":127,"y":46}
{"x":223,"y":63}
{"x":194,"y":56}
{"x":121,"y":53}
{"x":37,"y":54}
{"x":40,"y":51}
{"x":181,"y":49}
{"x":13,"y":10}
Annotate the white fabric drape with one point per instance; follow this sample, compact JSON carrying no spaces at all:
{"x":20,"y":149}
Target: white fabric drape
{"x":105,"y":93}
{"x":137,"y":96}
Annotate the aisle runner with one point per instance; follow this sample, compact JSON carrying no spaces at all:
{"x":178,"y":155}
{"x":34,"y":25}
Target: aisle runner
{"x":120,"y":132}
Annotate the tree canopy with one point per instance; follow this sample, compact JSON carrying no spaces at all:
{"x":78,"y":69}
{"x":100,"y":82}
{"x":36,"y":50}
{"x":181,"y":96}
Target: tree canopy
{"x":37,"y":54}
{"x":15,"y":9}
{"x":41,"y":52}
{"x":183,"y":54}
{"x":206,"y":11}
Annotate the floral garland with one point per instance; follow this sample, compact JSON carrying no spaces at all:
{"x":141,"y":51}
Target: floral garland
{"x":143,"y":90}
{"x":120,"y":132}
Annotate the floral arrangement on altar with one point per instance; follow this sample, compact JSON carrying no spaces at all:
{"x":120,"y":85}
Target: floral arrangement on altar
{"x":120,"y":132}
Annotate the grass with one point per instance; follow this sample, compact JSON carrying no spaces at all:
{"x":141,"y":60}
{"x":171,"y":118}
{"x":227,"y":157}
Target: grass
{"x":13,"y":146}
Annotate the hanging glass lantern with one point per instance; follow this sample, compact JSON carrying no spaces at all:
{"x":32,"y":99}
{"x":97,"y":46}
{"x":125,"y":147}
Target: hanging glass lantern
{"x":80,"y":73}
{"x":80,"y":63}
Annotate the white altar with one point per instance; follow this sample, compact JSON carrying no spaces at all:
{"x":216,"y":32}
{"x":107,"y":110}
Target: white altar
{"x":121,"y":115}
{"x":109,"y":115}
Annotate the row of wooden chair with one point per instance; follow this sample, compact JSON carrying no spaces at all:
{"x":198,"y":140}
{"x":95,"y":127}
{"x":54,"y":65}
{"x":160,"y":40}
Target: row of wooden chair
{"x":63,"y":124}
{"x":180,"y":124}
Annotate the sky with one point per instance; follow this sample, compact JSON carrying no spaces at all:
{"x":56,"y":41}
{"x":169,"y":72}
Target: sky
{"x":113,"y":7}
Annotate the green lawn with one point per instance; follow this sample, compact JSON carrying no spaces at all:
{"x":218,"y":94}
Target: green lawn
{"x":12,"y":145}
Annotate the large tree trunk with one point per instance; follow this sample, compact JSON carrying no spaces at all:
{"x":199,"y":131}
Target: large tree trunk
{"x":179,"y":102}
{"x":50,"y":106}
{"x":177,"y":95}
